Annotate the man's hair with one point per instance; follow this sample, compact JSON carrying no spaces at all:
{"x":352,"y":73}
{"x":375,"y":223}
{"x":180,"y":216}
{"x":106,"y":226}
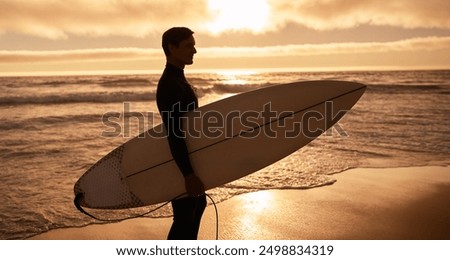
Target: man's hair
{"x":174,"y":36}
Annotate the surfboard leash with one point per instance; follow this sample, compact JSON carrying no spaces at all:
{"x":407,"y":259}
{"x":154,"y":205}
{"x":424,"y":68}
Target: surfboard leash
{"x":217,"y":215}
{"x":79,"y":196}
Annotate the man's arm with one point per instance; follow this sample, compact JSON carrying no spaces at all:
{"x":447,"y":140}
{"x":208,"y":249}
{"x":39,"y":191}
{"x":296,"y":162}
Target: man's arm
{"x":176,"y":137}
{"x":172,"y":116}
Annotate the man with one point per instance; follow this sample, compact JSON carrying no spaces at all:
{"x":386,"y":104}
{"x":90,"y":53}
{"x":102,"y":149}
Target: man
{"x":174,"y":97}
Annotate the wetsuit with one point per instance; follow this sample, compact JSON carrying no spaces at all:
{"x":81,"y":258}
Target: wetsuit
{"x":174,"y":97}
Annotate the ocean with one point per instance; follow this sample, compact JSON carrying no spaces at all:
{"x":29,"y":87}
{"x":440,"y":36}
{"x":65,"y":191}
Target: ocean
{"x":53,"y":130}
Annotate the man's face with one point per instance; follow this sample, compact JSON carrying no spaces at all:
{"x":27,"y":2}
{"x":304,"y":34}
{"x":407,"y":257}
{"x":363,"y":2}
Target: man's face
{"x":183,"y":54}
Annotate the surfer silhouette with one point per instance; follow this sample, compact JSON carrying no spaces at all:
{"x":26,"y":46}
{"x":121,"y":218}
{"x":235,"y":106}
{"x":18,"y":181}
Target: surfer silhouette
{"x":174,"y":97}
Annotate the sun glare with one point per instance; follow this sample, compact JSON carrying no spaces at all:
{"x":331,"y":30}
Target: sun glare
{"x":258,"y":201}
{"x":235,"y":77}
{"x":237,"y":15}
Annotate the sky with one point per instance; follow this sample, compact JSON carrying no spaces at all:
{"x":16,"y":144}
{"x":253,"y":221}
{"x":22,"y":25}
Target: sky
{"x":58,"y":37}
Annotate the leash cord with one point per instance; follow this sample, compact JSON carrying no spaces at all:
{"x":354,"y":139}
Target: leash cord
{"x":217,"y":215}
{"x":82,"y":210}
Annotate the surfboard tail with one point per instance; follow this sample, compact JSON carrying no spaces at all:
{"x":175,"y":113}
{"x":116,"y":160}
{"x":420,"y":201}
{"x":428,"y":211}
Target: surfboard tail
{"x":103,"y":185}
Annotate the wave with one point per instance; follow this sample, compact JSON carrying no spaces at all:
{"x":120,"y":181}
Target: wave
{"x":403,"y":89}
{"x":34,"y":123}
{"x":236,"y":88}
{"x":113,"y":96}
{"x":111,"y":89}
{"x":104,"y":81}
{"x":96,"y":97}
{"x":37,"y":122}
{"x":126,"y":82}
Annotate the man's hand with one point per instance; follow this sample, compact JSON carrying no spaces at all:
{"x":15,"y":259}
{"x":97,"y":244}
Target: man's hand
{"x":194,"y":186}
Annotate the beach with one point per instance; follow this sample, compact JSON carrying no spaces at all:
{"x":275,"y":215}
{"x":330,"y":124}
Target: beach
{"x":55,"y":128}
{"x":363,"y":204}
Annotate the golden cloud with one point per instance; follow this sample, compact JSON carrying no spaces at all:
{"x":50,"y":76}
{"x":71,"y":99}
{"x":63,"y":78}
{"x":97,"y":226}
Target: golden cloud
{"x":332,"y":14}
{"x":80,"y":55}
{"x":57,"y":19}
{"x":414,"y":44}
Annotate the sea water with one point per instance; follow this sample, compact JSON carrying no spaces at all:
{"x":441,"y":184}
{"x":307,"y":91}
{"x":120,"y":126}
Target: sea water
{"x":54,"y":128}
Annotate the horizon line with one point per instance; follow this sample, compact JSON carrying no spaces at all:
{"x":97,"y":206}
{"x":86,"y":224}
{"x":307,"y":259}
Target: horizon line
{"x":219,"y":71}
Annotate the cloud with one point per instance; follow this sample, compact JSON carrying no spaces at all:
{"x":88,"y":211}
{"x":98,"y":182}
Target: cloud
{"x":116,"y":54}
{"x":414,"y":44}
{"x":332,"y":14}
{"x":58,"y":19}
{"x":86,"y":55}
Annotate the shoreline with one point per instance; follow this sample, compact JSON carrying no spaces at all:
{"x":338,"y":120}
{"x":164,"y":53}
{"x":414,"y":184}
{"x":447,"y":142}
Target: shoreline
{"x":364,"y":203}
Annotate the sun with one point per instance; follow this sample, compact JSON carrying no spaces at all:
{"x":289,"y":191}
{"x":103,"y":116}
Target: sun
{"x":238,"y":15}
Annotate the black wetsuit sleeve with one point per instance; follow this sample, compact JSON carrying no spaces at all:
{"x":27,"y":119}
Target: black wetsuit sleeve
{"x":171,"y":104}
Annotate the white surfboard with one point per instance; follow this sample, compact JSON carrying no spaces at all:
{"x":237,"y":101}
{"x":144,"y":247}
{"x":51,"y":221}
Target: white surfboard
{"x":227,"y":140}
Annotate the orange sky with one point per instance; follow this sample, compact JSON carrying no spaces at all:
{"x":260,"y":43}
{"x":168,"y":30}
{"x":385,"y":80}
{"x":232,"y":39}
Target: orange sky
{"x":83,"y":36}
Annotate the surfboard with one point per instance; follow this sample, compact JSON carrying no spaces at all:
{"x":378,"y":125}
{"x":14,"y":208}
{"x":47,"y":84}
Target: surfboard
{"x":227,"y":140}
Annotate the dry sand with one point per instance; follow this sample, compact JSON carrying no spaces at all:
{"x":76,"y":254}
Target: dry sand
{"x":391,"y":203}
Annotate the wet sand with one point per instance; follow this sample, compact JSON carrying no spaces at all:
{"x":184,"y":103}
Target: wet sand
{"x":387,"y":203}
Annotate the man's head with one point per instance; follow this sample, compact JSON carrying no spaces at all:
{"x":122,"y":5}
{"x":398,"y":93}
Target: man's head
{"x":178,"y":45}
